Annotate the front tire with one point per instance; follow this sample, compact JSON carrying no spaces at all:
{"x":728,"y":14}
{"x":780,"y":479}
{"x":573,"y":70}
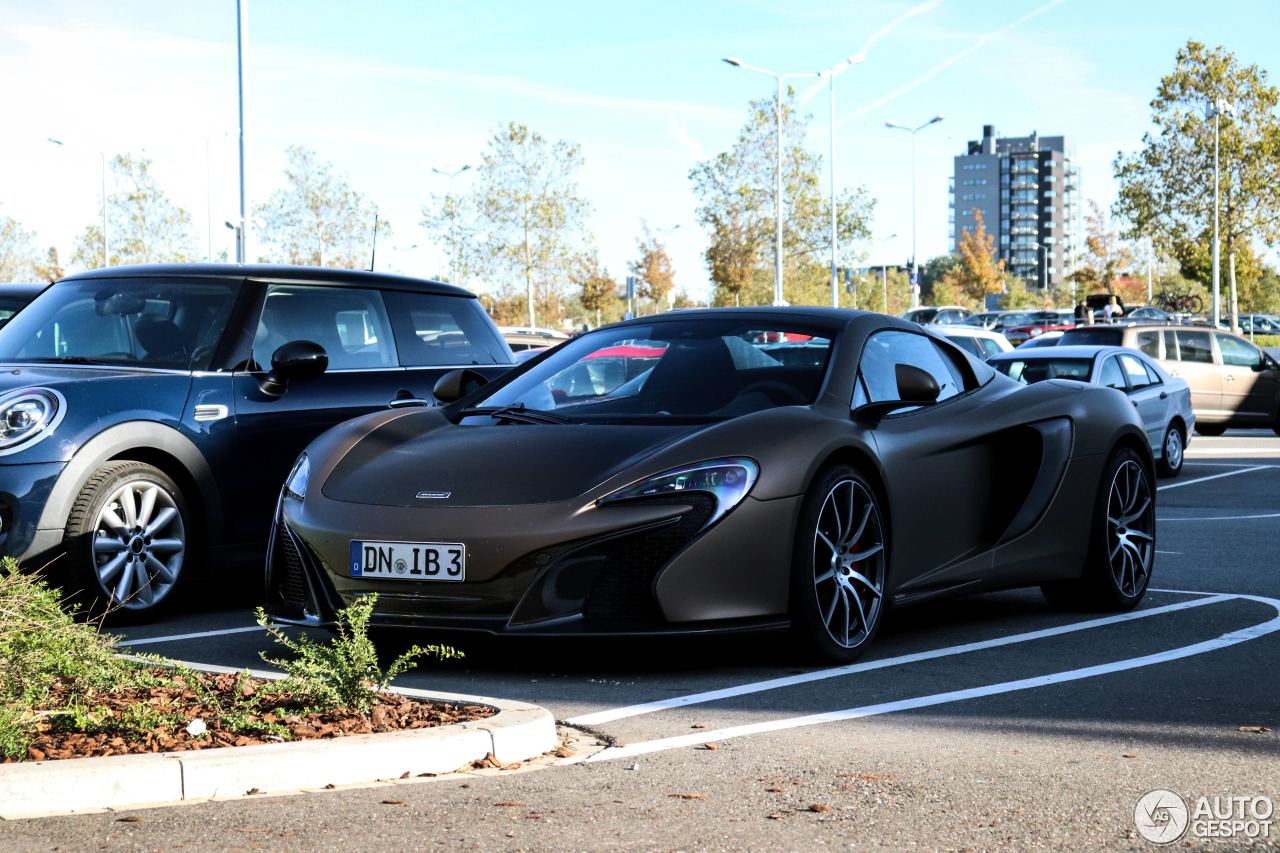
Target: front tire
{"x":128,"y":540}
{"x":1122,"y":544}
{"x":839,"y":567}
{"x":1174,"y":449}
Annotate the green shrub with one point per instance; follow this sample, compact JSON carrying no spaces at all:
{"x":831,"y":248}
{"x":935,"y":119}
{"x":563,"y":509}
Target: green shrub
{"x":343,"y":674}
{"x":1267,"y":340}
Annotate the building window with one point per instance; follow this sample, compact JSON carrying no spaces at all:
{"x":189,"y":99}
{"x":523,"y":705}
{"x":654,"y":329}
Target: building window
{"x":1049,"y":193}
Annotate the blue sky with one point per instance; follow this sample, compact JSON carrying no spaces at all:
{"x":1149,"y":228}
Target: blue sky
{"x":388,"y":90}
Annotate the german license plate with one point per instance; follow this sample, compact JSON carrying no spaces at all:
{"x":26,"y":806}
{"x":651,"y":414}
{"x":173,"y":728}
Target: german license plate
{"x":408,"y":561}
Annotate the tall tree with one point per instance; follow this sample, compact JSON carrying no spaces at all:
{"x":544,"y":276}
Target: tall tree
{"x":1166,"y":189}
{"x":146,"y":226}
{"x":735,"y":193}
{"x":597,"y":290}
{"x":317,"y":218}
{"x":978,"y":274}
{"x":523,"y":220}
{"x":17,"y":251}
{"x":50,"y":269}
{"x":653,"y":270}
{"x":1105,"y":255}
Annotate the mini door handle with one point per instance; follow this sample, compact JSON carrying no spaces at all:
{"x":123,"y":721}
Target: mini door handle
{"x":1164,"y":395}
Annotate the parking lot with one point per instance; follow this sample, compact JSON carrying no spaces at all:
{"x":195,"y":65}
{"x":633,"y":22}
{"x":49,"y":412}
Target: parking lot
{"x":988,"y":721}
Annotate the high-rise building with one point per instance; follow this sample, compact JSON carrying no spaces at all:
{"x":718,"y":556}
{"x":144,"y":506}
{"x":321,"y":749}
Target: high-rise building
{"x":1028,"y":190}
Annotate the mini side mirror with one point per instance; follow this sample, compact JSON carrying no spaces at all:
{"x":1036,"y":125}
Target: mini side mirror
{"x":457,"y":384}
{"x":915,"y":383}
{"x":294,"y":360}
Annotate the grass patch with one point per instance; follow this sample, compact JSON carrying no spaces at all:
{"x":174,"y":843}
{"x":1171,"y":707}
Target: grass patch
{"x":1267,"y":340}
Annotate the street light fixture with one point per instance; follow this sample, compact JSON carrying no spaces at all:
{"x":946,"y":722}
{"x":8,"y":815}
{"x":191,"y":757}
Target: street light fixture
{"x":831,"y":74}
{"x":106,"y":237}
{"x":777,"y":168}
{"x":1214,"y":110}
{"x":455,"y":173}
{"x":915,"y":260}
{"x":465,"y":167}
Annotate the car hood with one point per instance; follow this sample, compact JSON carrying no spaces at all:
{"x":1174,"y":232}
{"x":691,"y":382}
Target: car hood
{"x":488,"y":465}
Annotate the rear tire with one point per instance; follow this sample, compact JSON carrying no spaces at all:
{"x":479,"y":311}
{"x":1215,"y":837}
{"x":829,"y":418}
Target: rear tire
{"x":1173,"y":450}
{"x":1122,"y":543}
{"x":128,"y":540}
{"x":1210,"y":429}
{"x":839,"y":566}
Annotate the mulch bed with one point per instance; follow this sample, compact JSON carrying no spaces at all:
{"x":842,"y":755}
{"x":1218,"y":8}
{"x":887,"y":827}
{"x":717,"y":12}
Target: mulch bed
{"x":393,"y":713}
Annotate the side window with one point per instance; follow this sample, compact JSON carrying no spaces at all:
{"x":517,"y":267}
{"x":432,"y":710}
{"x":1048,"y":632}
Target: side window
{"x":351,"y":324}
{"x":1149,"y":342}
{"x":989,"y":347}
{"x":1136,"y":371}
{"x":1236,"y":352}
{"x":434,"y":329}
{"x":1194,"y":347}
{"x":884,"y":351}
{"x":1112,"y":376}
{"x":1153,"y":378}
{"x":973,"y":345}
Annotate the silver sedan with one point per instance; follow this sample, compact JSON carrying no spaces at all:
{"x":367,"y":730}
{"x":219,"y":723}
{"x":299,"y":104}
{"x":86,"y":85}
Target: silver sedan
{"x":1163,"y":401}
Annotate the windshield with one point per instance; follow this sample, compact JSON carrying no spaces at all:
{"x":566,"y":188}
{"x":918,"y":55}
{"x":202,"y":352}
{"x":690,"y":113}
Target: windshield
{"x":9,"y":305}
{"x":1032,"y":370}
{"x":1093,"y":336}
{"x":703,"y":369}
{"x":130,"y":322}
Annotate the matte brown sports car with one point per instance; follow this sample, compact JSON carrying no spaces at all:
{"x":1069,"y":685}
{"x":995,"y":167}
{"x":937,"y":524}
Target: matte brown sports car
{"x":762,"y":468}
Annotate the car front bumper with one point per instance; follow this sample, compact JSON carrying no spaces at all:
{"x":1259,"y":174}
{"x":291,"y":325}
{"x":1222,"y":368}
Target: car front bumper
{"x":646,"y":567}
{"x":24,"y":491}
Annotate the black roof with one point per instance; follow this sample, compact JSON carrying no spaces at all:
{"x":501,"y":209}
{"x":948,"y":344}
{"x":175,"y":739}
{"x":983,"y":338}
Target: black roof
{"x":276,"y":272}
{"x":27,"y":291}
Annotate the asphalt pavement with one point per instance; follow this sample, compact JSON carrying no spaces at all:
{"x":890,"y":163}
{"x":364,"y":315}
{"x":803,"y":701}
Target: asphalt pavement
{"x":991,"y":722}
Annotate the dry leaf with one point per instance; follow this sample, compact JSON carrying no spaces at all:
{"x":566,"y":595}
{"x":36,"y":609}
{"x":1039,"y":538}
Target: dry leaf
{"x":405,"y":775}
{"x":1255,"y":730}
{"x":506,"y":803}
{"x":251,"y":829}
{"x":711,"y":745}
{"x":129,"y":819}
{"x":330,"y":786}
{"x":1128,"y":755}
{"x":820,"y":808}
{"x":774,"y":790}
{"x":698,"y":726}
{"x":251,"y":792}
{"x":694,"y":796}
{"x":393,"y":802}
{"x":776,"y":816}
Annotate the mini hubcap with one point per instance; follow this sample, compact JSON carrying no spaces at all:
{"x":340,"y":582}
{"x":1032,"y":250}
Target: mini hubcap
{"x":138,"y":545}
{"x":1130,"y":526}
{"x":1173,"y":449}
{"x":848,"y":563}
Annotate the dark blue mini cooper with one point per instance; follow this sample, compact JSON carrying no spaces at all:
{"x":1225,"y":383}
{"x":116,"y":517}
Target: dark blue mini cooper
{"x":149,"y":414}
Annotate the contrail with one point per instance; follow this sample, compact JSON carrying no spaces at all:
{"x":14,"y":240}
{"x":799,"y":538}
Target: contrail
{"x":812,"y":92}
{"x":948,"y":62}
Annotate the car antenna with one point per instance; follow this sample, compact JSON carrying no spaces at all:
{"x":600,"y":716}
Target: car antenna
{"x":373,"y":253}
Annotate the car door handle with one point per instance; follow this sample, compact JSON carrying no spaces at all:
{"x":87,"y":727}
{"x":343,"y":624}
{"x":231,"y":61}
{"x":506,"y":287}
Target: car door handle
{"x":1164,"y":395}
{"x":1229,"y":378}
{"x":406,"y":402}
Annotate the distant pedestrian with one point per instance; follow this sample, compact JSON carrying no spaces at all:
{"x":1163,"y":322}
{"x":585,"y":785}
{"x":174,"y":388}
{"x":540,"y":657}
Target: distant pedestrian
{"x":1083,"y":314}
{"x":1111,"y":312}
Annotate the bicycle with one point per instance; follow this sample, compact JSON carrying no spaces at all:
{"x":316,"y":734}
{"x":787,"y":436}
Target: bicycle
{"x":1179,"y":303}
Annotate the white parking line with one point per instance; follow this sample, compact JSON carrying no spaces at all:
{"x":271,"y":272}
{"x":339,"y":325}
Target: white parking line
{"x":1220,"y":518}
{"x":1221,"y":642}
{"x":883,"y":663}
{"x":1232,"y":451}
{"x":1182,"y":483}
{"x":143,"y":641}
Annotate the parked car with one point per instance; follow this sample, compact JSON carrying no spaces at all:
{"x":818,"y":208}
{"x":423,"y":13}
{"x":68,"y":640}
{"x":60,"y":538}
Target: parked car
{"x":942,"y":315}
{"x":1149,"y":314}
{"x":521,"y":338}
{"x":1048,"y":339}
{"x":1039,"y":322}
{"x":1260,"y":324}
{"x":998,"y":321}
{"x":1162,"y":401}
{"x":979,"y":342}
{"x":1233,"y":383}
{"x":13,"y":297}
{"x":148,"y":414}
{"x":723,"y":491}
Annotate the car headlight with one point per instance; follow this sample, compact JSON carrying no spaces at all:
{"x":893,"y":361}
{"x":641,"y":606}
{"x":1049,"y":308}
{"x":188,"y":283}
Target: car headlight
{"x":1035,"y":331}
{"x":28,"y":416}
{"x":727,"y":480}
{"x":296,"y":484}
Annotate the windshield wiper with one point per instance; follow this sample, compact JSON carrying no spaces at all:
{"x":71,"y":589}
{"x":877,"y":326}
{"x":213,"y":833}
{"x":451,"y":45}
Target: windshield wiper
{"x":518,"y":413}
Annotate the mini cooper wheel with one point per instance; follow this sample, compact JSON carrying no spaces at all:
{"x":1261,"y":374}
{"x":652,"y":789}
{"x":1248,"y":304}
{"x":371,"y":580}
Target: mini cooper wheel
{"x":1174,"y":448}
{"x":128,"y":540}
{"x":839,"y":566}
{"x":1122,"y":549}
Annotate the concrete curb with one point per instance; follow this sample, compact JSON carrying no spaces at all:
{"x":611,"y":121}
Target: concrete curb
{"x":518,"y":731}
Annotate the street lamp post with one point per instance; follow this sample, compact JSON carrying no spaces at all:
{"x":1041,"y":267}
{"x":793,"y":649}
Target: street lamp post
{"x":1214,"y":111}
{"x":777,"y":177}
{"x":242,"y":24}
{"x":1042,"y":251}
{"x":915,"y":260}
{"x":465,"y":167}
{"x":106,"y":236}
{"x":831,"y":74}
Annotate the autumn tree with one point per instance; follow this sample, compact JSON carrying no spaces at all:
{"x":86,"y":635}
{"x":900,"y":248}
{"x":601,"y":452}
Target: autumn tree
{"x":597,"y":290}
{"x":1105,"y":257}
{"x":978,"y":274}
{"x":735,"y":193}
{"x":1166,"y":188}
{"x":50,"y":269}
{"x":524,"y":219}
{"x":653,"y":270}
{"x":146,"y":226}
{"x":17,"y":251}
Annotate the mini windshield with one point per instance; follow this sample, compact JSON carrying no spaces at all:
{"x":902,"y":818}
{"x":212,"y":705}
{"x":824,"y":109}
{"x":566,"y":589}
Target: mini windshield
{"x":704,"y":369}
{"x":1032,"y":370}
{"x":128,"y":322}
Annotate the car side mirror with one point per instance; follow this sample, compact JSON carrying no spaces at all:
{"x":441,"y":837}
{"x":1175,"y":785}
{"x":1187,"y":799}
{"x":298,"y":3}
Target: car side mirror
{"x":294,"y":360}
{"x":457,"y":384}
{"x":916,"y":388}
